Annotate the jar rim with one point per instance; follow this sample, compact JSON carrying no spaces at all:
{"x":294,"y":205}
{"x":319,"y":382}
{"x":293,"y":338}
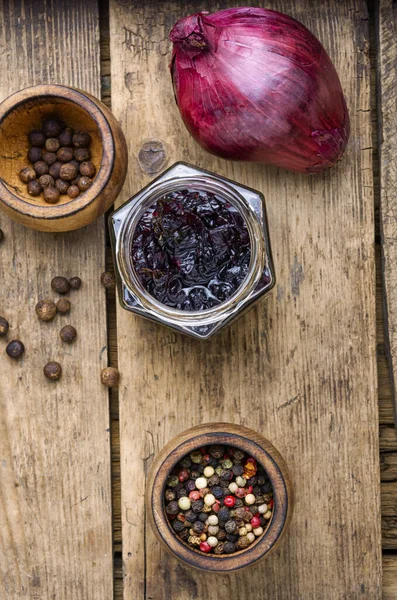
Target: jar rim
{"x":147,"y":198}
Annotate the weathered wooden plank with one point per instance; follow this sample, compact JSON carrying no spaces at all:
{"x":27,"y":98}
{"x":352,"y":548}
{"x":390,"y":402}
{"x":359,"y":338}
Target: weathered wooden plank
{"x":55,"y":498}
{"x":390,"y":577}
{"x":315,"y":344}
{"x":387,"y":72}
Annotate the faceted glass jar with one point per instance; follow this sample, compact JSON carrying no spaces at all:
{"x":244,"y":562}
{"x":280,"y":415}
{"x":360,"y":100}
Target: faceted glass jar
{"x":260,"y":278}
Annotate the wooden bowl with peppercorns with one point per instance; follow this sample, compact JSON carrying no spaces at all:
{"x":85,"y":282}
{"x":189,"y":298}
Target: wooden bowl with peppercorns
{"x":63,"y":158}
{"x":219,"y":497}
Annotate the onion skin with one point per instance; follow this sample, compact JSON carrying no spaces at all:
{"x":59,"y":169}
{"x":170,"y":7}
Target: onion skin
{"x":256,"y":85}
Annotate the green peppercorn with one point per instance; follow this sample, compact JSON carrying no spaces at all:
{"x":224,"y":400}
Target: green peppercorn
{"x":172,"y":481}
{"x":15,"y":349}
{"x":4,"y":326}
{"x":53,"y":371}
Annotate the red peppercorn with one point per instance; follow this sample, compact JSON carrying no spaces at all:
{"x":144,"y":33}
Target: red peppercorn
{"x":251,"y":460}
{"x":229,"y":501}
{"x":249,"y":490}
{"x":255,"y":522}
{"x":271,"y":503}
{"x":203,"y":450}
{"x":240,"y":492}
{"x":205,"y":547}
{"x":194,"y":495}
{"x":216,"y":507}
{"x":206,"y":458}
{"x":183,"y":475}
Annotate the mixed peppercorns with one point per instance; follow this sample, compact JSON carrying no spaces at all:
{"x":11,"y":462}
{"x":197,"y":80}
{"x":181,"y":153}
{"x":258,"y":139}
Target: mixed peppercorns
{"x":218,"y":499}
{"x":61,"y":162}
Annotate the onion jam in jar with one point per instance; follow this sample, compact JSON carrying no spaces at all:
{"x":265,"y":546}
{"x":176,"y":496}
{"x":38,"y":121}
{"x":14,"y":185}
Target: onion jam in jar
{"x":192,"y":250}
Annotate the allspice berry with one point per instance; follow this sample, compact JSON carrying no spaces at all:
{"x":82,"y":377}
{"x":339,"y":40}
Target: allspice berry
{"x":36,"y":138}
{"x":87,"y":168}
{"x":27,"y":174}
{"x":34,"y":188}
{"x":46,"y":181}
{"x":84,"y":183}
{"x":49,"y":157}
{"x":110,"y":377}
{"x":65,"y":137}
{"x":75,"y":283}
{"x":4,"y":326}
{"x":46,"y":310}
{"x":51,"y":195}
{"x":63,"y":305}
{"x":15,"y":349}
{"x":41,"y":168}
{"x":60,"y":284}
{"x":81,"y":139}
{"x":51,"y":128}
{"x":53,"y":370}
{"x":35,"y":154}
{"x":68,"y":334}
{"x":73,"y":191}
{"x":107,"y":280}
{"x":62,"y":185}
{"x":55,"y":168}
{"x":67,"y":172}
{"x":52,"y":144}
{"x":65,"y":154}
{"x":82,"y":154}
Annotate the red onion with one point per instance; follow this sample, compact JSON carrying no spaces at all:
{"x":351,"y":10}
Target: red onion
{"x":254,"y":84}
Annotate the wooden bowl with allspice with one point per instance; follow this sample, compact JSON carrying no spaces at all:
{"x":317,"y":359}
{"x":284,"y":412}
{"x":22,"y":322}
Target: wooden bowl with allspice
{"x":63,"y":158}
{"x":219,"y":497}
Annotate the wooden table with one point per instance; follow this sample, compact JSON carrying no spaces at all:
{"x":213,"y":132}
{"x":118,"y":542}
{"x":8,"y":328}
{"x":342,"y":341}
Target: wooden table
{"x":300,"y":367}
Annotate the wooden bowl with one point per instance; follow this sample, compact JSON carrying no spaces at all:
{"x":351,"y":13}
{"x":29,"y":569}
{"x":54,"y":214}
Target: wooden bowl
{"x":256,"y":446}
{"x":25,"y":111}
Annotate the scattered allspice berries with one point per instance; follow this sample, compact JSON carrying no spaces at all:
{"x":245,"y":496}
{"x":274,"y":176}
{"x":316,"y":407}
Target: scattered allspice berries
{"x":63,"y":305}
{"x":108,"y":281}
{"x":75,"y":283}
{"x":46,"y":310}
{"x":15,"y":349}
{"x":110,"y":377}
{"x":68,"y":334}
{"x":53,"y":370}
{"x":60,"y":285}
{"x":4,"y":326}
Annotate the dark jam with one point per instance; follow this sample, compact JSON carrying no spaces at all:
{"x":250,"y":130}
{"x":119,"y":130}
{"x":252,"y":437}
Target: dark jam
{"x":191,"y":250}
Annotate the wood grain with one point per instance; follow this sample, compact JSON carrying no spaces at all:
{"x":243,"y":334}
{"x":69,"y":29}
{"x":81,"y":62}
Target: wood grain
{"x":300,"y":368}
{"x":55,"y":500}
{"x":387,"y":72}
{"x":389,"y":577}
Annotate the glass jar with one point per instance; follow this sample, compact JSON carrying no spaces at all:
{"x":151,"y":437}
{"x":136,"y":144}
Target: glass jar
{"x":259,"y":280}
